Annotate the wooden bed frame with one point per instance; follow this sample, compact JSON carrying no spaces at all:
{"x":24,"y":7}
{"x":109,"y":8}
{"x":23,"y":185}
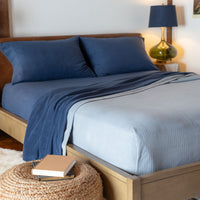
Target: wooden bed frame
{"x":180,"y":183}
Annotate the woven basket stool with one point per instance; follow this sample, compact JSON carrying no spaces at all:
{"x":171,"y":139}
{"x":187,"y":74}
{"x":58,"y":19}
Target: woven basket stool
{"x":18,"y":183}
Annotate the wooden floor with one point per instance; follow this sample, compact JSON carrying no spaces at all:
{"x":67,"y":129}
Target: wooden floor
{"x":8,"y":142}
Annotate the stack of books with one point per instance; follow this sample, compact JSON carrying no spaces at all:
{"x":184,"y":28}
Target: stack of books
{"x":54,"y":167}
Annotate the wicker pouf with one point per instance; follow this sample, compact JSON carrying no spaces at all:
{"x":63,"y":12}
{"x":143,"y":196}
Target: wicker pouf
{"x":18,"y":183}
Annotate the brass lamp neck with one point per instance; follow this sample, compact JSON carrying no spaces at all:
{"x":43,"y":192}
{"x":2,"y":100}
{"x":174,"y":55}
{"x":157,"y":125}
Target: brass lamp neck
{"x":163,"y":33}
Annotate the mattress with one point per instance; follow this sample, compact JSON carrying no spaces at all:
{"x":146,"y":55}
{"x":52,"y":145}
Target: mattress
{"x":139,"y":132}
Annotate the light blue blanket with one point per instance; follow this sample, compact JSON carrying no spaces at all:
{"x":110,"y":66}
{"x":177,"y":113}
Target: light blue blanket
{"x":143,"y":130}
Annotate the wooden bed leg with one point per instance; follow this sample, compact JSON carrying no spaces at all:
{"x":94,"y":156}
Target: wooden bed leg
{"x":134,"y":189}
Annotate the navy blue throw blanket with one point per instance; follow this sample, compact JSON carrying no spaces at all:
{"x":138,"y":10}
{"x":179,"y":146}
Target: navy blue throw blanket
{"x":46,"y":125}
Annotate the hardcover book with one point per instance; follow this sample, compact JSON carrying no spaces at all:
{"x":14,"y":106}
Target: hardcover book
{"x":69,"y":175}
{"x":54,"y":165}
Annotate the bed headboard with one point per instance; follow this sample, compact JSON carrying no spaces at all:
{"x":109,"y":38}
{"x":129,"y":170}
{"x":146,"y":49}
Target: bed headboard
{"x":6,"y":68}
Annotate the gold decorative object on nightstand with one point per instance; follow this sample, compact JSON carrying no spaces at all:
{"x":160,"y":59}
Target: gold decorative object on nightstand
{"x":168,"y":66}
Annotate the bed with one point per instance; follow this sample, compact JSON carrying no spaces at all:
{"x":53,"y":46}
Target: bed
{"x":175,"y":183}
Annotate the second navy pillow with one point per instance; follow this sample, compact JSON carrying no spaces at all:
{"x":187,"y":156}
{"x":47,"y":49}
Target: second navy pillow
{"x":110,"y":56}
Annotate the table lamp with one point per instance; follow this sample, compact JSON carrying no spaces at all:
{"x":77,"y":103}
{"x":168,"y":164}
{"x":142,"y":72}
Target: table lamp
{"x":163,"y":16}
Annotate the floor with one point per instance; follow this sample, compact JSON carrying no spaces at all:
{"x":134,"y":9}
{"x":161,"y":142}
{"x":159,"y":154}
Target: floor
{"x":8,"y":142}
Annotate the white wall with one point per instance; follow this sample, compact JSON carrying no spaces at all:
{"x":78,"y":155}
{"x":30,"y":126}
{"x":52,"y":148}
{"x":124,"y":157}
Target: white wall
{"x":58,"y":17}
{"x":65,"y":17}
{"x":186,"y":36}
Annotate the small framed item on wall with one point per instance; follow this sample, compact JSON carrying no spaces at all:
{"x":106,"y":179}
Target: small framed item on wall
{"x":196,"y":8}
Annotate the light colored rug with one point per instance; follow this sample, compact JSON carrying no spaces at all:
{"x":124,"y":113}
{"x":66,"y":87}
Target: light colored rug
{"x":9,"y":158}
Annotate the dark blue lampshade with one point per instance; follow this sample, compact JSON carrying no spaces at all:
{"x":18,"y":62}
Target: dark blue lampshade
{"x":163,"y":16}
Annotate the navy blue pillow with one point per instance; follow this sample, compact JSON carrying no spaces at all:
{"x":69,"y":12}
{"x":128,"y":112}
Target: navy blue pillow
{"x":46,"y":60}
{"x":117,"y":55}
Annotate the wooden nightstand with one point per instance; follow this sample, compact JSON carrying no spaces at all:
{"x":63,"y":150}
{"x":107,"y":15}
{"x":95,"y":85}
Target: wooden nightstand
{"x":169,"y":66}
